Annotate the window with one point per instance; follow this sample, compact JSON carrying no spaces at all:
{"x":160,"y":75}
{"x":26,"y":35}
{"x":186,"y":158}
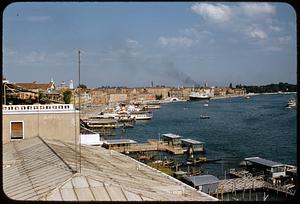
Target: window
{"x":16,"y":130}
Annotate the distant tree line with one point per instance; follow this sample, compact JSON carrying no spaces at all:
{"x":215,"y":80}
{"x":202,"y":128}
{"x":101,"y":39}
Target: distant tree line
{"x":270,"y":88}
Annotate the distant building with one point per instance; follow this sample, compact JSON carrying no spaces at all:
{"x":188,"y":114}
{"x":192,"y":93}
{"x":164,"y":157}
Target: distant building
{"x":71,"y":85}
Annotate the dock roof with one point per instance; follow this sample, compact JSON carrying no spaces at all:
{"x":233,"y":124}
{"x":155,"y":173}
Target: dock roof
{"x":119,"y":141}
{"x":191,"y":141}
{"x":171,"y":135}
{"x":263,"y":162}
{"x":202,"y":180}
{"x":36,"y":169}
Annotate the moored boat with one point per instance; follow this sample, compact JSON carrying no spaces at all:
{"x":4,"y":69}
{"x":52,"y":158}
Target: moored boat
{"x":291,"y":103}
{"x":196,"y":96}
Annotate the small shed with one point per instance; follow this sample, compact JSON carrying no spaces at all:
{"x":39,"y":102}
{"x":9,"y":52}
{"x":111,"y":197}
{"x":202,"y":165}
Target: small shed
{"x":172,"y":139}
{"x":270,"y":168}
{"x":205,"y":183}
{"x":196,"y":146}
{"x":111,"y":144}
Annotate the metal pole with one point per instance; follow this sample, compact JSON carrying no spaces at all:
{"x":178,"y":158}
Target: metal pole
{"x":4,"y":90}
{"x":79,"y":110}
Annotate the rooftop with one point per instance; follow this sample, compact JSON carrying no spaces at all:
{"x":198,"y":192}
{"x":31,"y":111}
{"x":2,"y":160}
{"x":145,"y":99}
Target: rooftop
{"x":191,"y":141}
{"x":262,"y":161}
{"x":171,"y":135}
{"x":119,"y":141}
{"x":202,"y":180}
{"x":35,"y":86}
{"x":34,"y":169}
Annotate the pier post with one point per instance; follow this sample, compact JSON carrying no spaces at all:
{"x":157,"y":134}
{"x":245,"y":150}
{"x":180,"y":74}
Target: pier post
{"x":222,"y":193}
{"x":249,"y":194}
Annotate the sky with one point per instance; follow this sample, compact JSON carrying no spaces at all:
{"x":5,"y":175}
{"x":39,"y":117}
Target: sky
{"x":133,"y":44}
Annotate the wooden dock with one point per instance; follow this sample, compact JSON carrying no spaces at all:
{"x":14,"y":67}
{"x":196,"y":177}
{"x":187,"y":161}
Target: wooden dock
{"x":249,"y":183}
{"x":239,"y":184}
{"x":152,"y":145}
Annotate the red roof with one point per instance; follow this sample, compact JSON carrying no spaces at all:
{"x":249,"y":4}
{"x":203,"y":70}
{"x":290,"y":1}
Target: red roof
{"x":35,"y":86}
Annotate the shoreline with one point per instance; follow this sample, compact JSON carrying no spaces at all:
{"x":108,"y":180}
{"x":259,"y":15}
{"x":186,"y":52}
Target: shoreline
{"x":251,"y":94}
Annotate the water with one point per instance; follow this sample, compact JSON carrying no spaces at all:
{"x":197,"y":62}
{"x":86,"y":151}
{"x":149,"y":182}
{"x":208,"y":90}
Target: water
{"x":238,"y":128}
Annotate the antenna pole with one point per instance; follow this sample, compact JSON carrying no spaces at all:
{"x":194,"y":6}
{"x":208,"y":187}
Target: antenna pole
{"x":79,"y":110}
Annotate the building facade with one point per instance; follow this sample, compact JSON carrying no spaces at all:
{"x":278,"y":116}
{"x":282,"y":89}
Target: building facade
{"x":51,"y":121}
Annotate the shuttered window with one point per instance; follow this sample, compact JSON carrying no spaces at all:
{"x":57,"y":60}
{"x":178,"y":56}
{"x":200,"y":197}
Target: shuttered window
{"x":16,"y":129}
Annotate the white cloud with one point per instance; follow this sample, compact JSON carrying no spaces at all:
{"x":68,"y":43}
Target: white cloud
{"x":254,"y":9}
{"x":176,"y":41}
{"x":273,"y":49}
{"x":35,"y":57}
{"x":274,"y":28}
{"x":132,"y":44}
{"x":38,"y":18}
{"x":217,"y":13}
{"x":256,"y":33}
{"x":284,"y":39}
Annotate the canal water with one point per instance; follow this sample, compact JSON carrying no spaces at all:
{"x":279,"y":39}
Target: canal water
{"x":237,"y":128}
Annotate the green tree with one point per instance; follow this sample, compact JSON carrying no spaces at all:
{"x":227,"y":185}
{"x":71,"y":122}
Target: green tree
{"x":83,"y":86}
{"x":158,"y":97}
{"x":67,"y":96}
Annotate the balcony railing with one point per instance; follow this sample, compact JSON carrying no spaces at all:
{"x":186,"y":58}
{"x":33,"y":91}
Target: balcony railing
{"x":38,"y":107}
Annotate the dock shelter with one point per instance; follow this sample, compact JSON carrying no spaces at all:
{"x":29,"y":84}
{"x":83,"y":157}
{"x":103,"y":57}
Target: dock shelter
{"x":269,"y":168}
{"x":205,"y":183}
{"x":196,"y":146}
{"x":119,"y":143}
{"x":172,"y":139}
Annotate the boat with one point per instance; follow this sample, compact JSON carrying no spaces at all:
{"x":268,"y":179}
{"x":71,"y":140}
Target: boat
{"x":166,"y":162}
{"x":150,"y":106}
{"x":205,"y":104}
{"x":200,"y":160}
{"x":291,"y":103}
{"x":204,"y":117}
{"x":196,"y":96}
{"x":141,"y":115}
{"x":145,"y":157}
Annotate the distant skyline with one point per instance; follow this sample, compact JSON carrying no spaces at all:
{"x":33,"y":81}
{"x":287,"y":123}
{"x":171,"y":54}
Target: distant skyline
{"x":134,"y":43}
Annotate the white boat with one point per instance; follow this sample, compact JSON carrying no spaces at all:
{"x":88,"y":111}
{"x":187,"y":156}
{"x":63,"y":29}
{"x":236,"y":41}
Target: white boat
{"x":141,"y":115}
{"x":194,"y":96}
{"x":291,"y":103}
{"x":205,"y":104}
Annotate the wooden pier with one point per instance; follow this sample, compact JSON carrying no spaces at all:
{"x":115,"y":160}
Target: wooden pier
{"x":152,"y":145}
{"x":248,"y":184}
{"x":239,"y":184}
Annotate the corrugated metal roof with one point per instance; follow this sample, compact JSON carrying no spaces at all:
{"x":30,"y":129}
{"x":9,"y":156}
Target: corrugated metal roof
{"x":171,"y":135}
{"x":28,"y":169}
{"x":38,"y":173}
{"x":262,"y":161}
{"x":191,"y":141}
{"x":202,"y":180}
{"x":119,"y":141}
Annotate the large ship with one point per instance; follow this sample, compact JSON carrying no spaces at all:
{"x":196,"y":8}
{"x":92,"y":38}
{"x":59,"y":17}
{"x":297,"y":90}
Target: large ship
{"x":195,"y":96}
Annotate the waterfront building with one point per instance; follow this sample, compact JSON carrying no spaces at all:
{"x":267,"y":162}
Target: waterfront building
{"x":205,"y":183}
{"x":172,"y":139}
{"x":52,"y":121}
{"x":275,"y":172}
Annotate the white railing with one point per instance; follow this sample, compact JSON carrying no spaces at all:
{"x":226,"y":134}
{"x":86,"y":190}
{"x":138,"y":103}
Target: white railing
{"x":37,"y":107}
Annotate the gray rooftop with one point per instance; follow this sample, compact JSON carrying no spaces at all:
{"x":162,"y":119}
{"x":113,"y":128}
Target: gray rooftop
{"x":34,"y":169}
{"x":191,"y":141}
{"x":202,"y":180}
{"x":263,"y":162}
{"x":171,"y":135}
{"x":119,"y":141}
